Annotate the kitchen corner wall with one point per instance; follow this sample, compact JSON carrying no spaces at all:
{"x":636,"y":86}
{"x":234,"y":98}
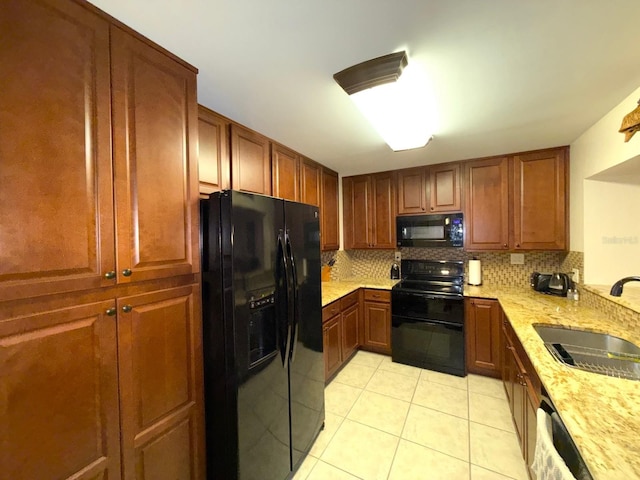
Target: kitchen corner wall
{"x":496,"y":266}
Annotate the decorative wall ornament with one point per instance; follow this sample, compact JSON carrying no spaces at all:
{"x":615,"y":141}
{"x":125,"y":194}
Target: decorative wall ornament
{"x":631,"y":123}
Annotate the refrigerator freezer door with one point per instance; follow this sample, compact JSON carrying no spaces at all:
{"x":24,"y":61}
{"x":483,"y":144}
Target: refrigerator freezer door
{"x":306,"y":369}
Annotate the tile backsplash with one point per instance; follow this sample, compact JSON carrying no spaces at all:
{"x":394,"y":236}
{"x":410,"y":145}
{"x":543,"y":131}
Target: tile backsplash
{"x":496,"y":266}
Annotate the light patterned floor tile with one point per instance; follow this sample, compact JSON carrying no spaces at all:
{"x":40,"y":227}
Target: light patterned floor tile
{"x":437,"y":430}
{"x":491,"y":387}
{"x":391,"y":366}
{"x":415,"y":462}
{"x":324,"y":471}
{"x":392,"y":384}
{"x":339,"y":398}
{"x":479,"y":473}
{"x":331,"y":424}
{"x":380,"y":411}
{"x":444,"y":379}
{"x":490,"y":411}
{"x":362,"y":451}
{"x":355,"y":375}
{"x":496,"y":450}
{"x":305,"y":468}
{"x":442,"y":398}
{"x":368,"y":359}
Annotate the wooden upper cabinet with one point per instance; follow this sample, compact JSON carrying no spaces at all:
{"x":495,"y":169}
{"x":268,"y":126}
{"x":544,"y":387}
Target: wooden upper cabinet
{"x":213,"y":151}
{"x":329,"y":221}
{"x":310,"y":172}
{"x":540,"y":211}
{"x":155,"y":116}
{"x":384,"y":210}
{"x":160,"y":371}
{"x":412,"y":190}
{"x":356,"y":197}
{"x":250,"y":161}
{"x":56,"y":202}
{"x":487,"y":204}
{"x":285,"y":165}
{"x":444,"y":186}
{"x":59,"y":393}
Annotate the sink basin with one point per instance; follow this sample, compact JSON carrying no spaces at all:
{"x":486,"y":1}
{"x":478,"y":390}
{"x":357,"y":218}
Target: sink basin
{"x":592,"y":351}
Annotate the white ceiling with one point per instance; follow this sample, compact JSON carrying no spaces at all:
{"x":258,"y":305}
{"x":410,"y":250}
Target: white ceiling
{"x":508,"y":75}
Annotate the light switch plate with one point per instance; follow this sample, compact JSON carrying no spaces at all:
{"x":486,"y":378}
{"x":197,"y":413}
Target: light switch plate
{"x":398,"y":256}
{"x":517,"y":259}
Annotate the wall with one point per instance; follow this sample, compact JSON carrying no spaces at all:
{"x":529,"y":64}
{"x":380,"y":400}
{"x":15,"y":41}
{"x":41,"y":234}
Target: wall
{"x":598,"y":149}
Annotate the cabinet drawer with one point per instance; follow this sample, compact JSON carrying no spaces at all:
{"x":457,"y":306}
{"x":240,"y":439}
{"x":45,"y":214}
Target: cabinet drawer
{"x":330,"y":310}
{"x":377,"y":295}
{"x":348,"y":300}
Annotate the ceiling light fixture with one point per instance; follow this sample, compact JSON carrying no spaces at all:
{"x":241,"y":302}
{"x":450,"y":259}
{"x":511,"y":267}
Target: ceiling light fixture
{"x":394,"y":97}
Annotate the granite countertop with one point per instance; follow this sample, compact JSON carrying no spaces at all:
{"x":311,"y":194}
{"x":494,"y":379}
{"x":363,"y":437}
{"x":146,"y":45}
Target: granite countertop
{"x":601,"y":413}
{"x":332,"y":291}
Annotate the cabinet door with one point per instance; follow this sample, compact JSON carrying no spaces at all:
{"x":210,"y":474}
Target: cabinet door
{"x":350,"y":321}
{"x":286,"y":177}
{"x":377,"y":326}
{"x":508,"y":366}
{"x":310,"y":182}
{"x":59,"y":395}
{"x":332,"y":344}
{"x":250,"y":161}
{"x":329,"y":230}
{"x":483,"y":336}
{"x":155,"y":118}
{"x":540,"y":201}
{"x":213,"y":151}
{"x":160,"y":368}
{"x":444,"y":183}
{"x":356,"y":194}
{"x":384,"y":210}
{"x":56,"y":203}
{"x":412,"y":191}
{"x":487,"y":204}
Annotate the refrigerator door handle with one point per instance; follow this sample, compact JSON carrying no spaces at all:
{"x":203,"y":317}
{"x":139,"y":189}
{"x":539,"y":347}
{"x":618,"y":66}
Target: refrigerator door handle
{"x":295,"y":316}
{"x":286,"y":345}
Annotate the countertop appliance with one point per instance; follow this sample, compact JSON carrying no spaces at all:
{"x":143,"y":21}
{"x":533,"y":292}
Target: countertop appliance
{"x":427,"y":316}
{"x":540,"y":281}
{"x":395,"y":272}
{"x":551,"y":283}
{"x":428,"y":231}
{"x":262,"y":334}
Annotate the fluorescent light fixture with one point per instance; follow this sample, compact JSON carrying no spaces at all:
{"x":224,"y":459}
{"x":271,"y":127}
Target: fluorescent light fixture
{"x":394,"y":97}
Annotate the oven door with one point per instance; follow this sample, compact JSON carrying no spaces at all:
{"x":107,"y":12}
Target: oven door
{"x":425,"y":306}
{"x":434,"y":345}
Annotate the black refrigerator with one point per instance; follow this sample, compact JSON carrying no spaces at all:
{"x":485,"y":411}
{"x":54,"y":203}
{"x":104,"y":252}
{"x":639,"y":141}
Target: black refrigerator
{"x":262,"y":334}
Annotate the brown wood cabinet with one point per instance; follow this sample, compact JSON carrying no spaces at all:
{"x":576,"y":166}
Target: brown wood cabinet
{"x":540,"y":200}
{"x":310,"y":182}
{"x":487,"y":204}
{"x":523,"y":388}
{"x":483,"y":334}
{"x":213,"y":151}
{"x":285,"y":165}
{"x":432,"y":189}
{"x":329,"y":219}
{"x":376,"y":335}
{"x":341,"y":332}
{"x":100,"y":347}
{"x":369,"y":211}
{"x":250,"y":161}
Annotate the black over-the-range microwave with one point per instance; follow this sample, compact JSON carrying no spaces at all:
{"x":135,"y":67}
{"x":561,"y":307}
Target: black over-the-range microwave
{"x":434,"y":230}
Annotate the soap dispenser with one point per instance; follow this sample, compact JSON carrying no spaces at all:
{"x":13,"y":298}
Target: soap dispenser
{"x":395,"y":272}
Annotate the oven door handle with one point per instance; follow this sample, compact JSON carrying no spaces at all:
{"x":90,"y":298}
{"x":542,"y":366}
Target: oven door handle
{"x":397,"y":320}
{"x":428,"y":296}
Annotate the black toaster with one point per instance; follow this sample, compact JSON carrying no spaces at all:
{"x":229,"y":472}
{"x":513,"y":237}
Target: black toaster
{"x":540,"y":281}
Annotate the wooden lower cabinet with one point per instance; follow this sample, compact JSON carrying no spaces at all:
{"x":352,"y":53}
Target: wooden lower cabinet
{"x":350,"y":321}
{"x":523,"y":389}
{"x":332,"y":346}
{"x":340,"y":332}
{"x":377,"y":321}
{"x":482,"y":333}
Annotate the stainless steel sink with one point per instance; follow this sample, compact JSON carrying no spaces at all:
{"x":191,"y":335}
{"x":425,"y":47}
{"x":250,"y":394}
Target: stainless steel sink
{"x":592,"y":351}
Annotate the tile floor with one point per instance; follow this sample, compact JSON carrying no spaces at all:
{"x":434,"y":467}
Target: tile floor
{"x":390,"y":421}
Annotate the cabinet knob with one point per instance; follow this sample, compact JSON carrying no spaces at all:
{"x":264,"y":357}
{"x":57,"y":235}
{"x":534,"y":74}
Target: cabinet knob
{"x":127,"y":308}
{"x":127,"y":272}
{"x":432,"y":209}
{"x":110,"y":275}
{"x":504,"y":245}
{"x":111,"y":312}
{"x":517,"y":245}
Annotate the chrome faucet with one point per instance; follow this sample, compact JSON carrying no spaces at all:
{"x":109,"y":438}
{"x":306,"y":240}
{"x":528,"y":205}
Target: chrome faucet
{"x":616,"y":289}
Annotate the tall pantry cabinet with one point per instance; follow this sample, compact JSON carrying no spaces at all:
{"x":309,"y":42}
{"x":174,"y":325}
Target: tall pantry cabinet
{"x":100,"y":350}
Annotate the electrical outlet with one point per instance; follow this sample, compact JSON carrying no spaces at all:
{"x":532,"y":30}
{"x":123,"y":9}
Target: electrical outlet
{"x":517,"y":259}
{"x":576,"y":275}
{"x":398,"y":256}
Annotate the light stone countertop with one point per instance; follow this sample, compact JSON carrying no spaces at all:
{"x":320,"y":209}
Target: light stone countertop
{"x":332,"y":291}
{"x":601,"y":413}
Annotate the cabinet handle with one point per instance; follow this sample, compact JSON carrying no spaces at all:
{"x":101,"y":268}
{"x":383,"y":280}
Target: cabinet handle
{"x":127,"y":308}
{"x":432,"y":209}
{"x":127,"y":272}
{"x":517,"y":245}
{"x":110,"y":275}
{"x":111,"y":312}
